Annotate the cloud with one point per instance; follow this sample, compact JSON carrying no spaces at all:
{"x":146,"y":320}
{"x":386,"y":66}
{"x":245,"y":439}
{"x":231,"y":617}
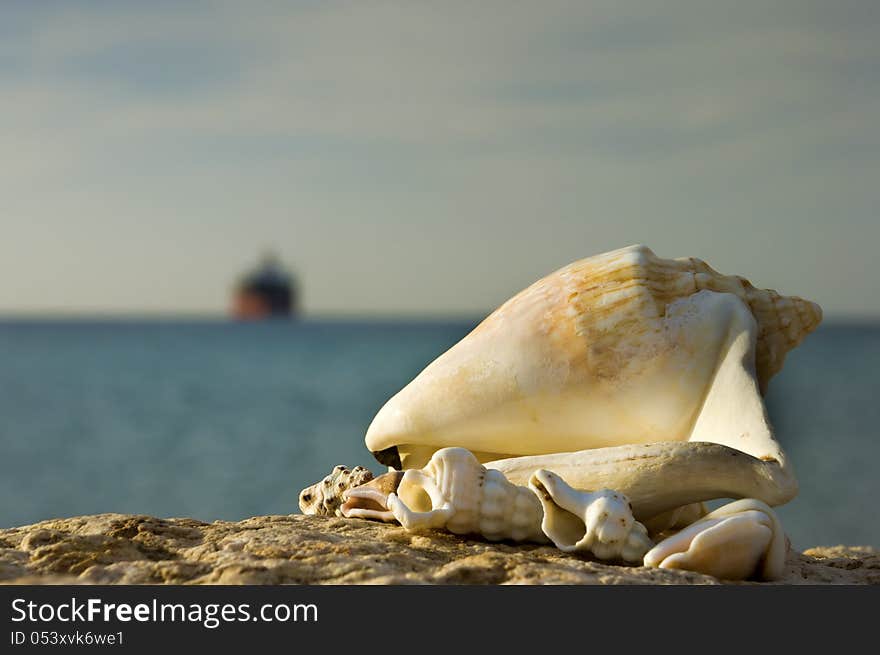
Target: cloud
{"x":471,"y":146}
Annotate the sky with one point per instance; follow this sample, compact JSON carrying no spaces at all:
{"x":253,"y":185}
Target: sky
{"x":431,"y":158}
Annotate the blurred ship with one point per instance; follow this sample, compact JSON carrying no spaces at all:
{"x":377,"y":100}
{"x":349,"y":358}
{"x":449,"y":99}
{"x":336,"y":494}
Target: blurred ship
{"x":268,"y":291}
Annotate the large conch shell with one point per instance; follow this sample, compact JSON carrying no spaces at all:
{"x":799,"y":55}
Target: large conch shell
{"x":622,"y":371}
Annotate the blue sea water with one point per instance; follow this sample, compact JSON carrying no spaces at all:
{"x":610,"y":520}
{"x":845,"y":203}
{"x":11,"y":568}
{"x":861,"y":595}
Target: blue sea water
{"x":222,"y":420}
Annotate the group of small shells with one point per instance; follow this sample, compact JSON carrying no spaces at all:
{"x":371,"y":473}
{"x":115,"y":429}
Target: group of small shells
{"x":597,"y":410}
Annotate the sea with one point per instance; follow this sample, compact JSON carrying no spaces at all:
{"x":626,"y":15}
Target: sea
{"x":216,"y":419}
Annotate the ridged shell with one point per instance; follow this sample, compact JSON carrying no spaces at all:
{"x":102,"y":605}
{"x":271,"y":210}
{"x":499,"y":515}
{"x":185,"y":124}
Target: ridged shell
{"x":606,"y":295}
{"x":783,"y":321}
{"x":324,"y":498}
{"x":477,"y":501}
{"x":612,"y":349}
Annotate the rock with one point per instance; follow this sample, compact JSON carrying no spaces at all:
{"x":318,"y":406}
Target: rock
{"x":298,"y":549}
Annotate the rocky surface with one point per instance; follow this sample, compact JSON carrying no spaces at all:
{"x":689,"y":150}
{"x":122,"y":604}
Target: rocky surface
{"x":297,"y":549}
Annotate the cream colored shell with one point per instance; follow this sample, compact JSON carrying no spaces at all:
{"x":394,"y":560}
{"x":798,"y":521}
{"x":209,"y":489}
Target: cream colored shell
{"x":620,"y":348}
{"x":454,"y":492}
{"x":599,"y":522}
{"x":741,"y":540}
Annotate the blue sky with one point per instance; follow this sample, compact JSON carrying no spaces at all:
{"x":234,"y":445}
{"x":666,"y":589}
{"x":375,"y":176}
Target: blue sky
{"x":431,"y":158}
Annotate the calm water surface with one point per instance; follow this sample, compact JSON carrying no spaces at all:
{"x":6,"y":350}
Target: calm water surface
{"x":224,"y":420}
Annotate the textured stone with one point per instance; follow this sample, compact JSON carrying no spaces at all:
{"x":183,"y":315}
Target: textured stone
{"x":297,"y":549}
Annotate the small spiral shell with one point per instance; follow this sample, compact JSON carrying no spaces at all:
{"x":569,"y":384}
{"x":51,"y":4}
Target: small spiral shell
{"x":324,"y":498}
{"x":456,"y":492}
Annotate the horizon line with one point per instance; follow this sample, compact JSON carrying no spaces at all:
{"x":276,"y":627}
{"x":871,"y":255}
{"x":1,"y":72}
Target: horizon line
{"x":50,"y":316}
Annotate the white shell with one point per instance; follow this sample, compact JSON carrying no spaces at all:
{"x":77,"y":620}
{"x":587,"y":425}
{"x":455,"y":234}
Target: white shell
{"x":621,"y":348}
{"x":741,"y":540}
{"x":453,"y":491}
{"x":600,"y":523}
{"x":662,"y":477}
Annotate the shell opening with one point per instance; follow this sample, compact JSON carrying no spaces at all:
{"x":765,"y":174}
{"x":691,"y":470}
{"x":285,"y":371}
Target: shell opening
{"x":370,"y":500}
{"x":419,"y":492}
{"x":565,"y":529}
{"x":389,"y":457}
